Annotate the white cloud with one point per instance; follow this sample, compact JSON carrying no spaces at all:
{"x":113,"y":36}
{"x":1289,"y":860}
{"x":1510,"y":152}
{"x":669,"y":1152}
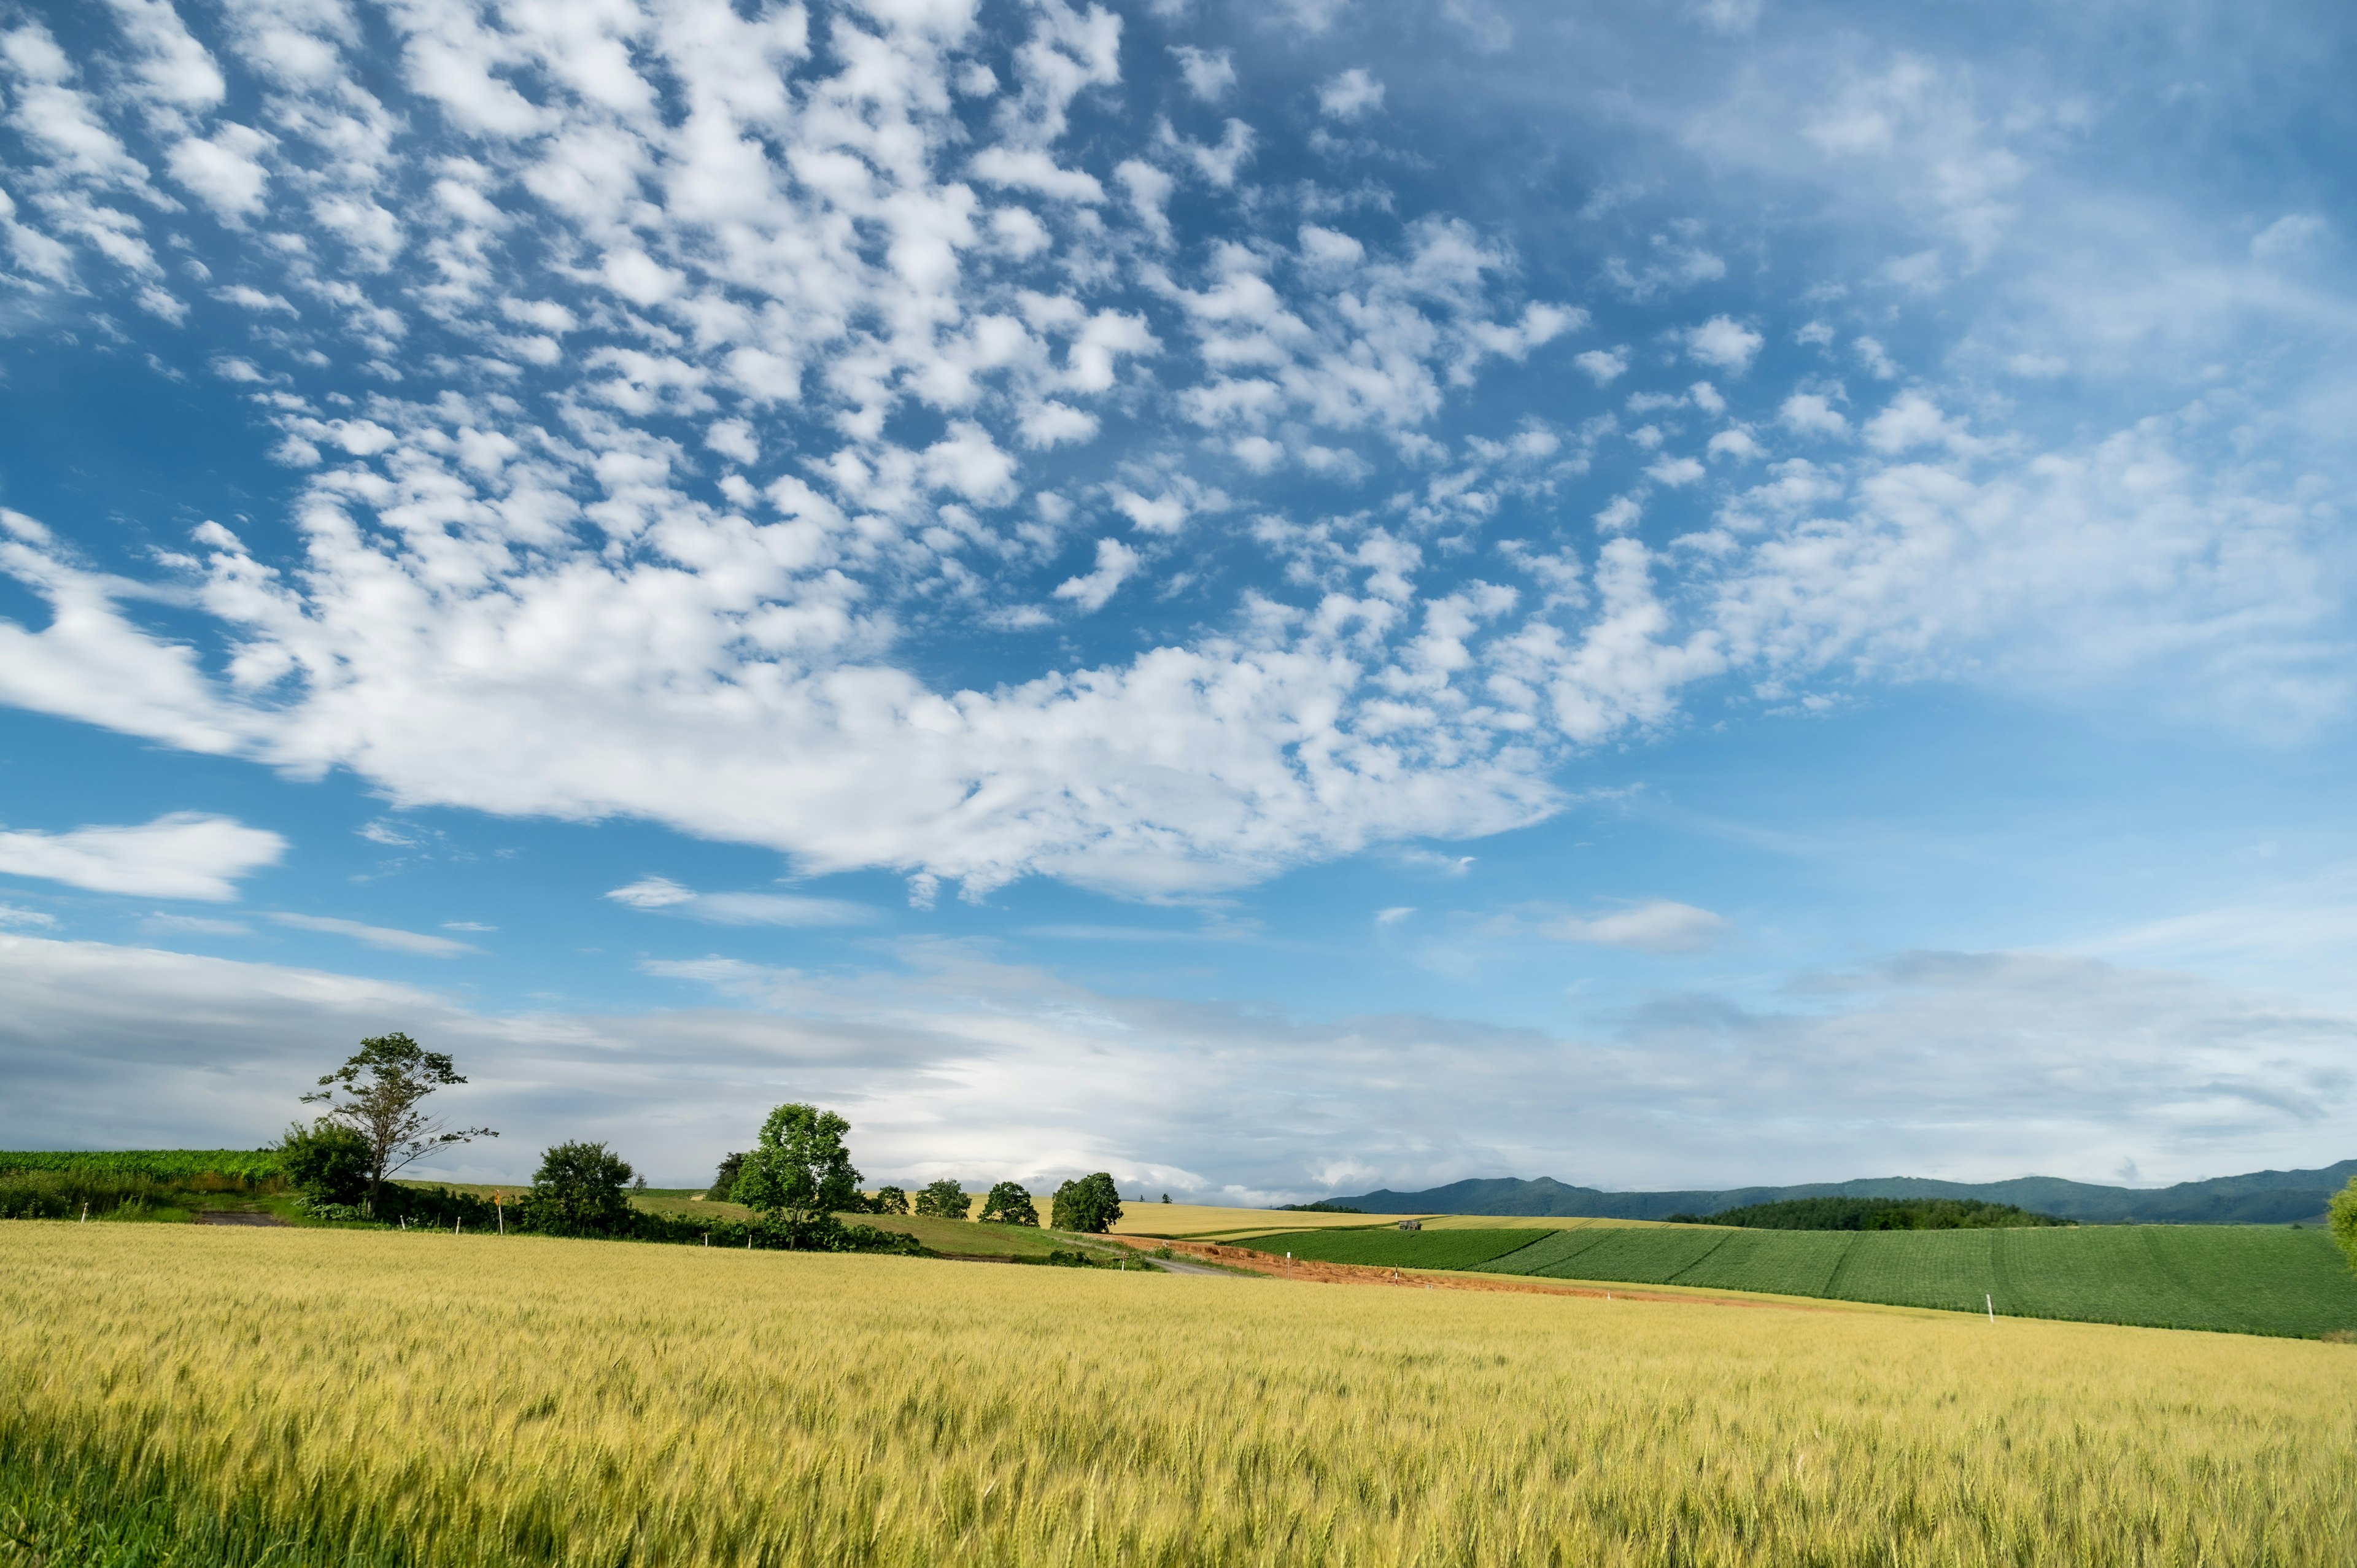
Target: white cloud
{"x":1208,"y":73}
{"x":917,"y":315}
{"x":223,"y":172}
{"x":1350,"y":95}
{"x":1723,"y":342}
{"x":653,"y":892}
{"x":387,"y":938}
{"x":1812,"y":414}
{"x":186,"y":855}
{"x":1674,"y":472}
{"x":14,"y":918}
{"x":1913,"y":420}
{"x":1735,"y":443}
{"x":162,"y":923}
{"x":660,"y":893}
{"x":1603,"y":366}
{"x":1394,"y":915}
{"x":733,"y":438}
{"x":1656,"y":926}
{"x":2289,"y":238}
{"x":1115,"y":562}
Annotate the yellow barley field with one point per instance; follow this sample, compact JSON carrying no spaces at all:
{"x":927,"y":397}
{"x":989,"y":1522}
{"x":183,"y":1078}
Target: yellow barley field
{"x":479,"y":1401}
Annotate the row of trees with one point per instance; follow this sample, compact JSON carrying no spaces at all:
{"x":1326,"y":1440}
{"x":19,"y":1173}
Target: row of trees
{"x":798,"y":1176}
{"x":809,"y":1138}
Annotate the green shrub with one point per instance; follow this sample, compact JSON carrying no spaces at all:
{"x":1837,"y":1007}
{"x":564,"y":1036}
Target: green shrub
{"x":2343,"y":1223}
{"x":328,"y":1163}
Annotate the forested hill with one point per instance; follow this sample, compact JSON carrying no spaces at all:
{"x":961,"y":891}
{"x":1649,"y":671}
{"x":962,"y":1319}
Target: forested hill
{"x":2262,"y":1197}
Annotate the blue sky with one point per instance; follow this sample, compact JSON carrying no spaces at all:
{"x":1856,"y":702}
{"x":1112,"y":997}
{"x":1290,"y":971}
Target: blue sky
{"x":1275,"y":599}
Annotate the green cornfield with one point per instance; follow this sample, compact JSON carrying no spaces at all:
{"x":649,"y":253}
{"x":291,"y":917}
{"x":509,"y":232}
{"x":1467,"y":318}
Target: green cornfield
{"x":202,"y":1396}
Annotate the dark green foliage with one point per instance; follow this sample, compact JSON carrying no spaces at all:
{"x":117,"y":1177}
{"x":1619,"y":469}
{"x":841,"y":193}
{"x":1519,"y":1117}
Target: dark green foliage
{"x":799,"y":1171}
{"x":1009,"y":1204}
{"x":63,"y":1194}
{"x":1321,"y":1206}
{"x":1873,"y":1214}
{"x":327,"y":1162}
{"x":1091,"y":1205}
{"x":888,"y":1200}
{"x":943,"y":1199}
{"x":578,"y":1191}
{"x":724,"y":1185}
{"x":255,"y":1168}
{"x":379,"y":1093}
{"x":1394,"y":1249}
{"x":2343,"y":1220}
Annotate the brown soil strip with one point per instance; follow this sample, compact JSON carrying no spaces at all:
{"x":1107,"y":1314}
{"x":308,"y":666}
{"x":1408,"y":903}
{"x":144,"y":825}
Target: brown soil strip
{"x":1305,"y":1271}
{"x":237,"y":1217}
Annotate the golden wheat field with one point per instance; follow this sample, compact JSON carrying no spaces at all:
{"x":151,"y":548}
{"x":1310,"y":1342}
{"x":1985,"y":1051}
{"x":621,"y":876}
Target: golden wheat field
{"x":474,"y":1400}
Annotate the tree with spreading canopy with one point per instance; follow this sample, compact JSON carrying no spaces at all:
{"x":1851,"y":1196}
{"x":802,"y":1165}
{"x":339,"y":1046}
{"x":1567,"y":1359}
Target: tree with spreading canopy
{"x":943,"y":1199}
{"x":579,"y":1188}
{"x":725,"y":1183}
{"x":799,"y":1171}
{"x":890,"y":1201}
{"x":1009,"y":1204}
{"x":1091,"y":1204}
{"x":382,"y":1089}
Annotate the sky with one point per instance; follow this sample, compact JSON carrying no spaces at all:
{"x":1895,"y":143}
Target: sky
{"x":1274,"y":598}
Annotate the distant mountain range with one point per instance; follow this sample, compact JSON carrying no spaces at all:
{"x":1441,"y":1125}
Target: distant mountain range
{"x":2262,"y":1197}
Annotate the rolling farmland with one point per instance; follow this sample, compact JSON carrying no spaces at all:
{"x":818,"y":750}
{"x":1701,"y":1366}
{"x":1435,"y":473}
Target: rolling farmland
{"x":210,"y":1396}
{"x":2242,"y":1279}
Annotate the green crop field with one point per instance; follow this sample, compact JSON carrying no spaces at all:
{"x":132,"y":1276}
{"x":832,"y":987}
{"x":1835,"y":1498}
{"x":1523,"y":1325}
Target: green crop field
{"x":1391,"y":1248}
{"x":162,"y":1165}
{"x":1782,"y":1263}
{"x":1555,"y":1247}
{"x":2248,"y":1279}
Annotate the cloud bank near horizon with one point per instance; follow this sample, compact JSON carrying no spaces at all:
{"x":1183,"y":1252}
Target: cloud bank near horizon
{"x":955,"y":1062}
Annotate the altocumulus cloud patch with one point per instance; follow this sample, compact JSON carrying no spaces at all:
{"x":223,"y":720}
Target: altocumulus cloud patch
{"x":669,"y":394}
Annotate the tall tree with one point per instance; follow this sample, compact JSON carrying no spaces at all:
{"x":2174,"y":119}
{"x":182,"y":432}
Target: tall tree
{"x":1009,"y":1204}
{"x":1091,"y":1204}
{"x":800,"y":1170}
{"x":380,"y":1093}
